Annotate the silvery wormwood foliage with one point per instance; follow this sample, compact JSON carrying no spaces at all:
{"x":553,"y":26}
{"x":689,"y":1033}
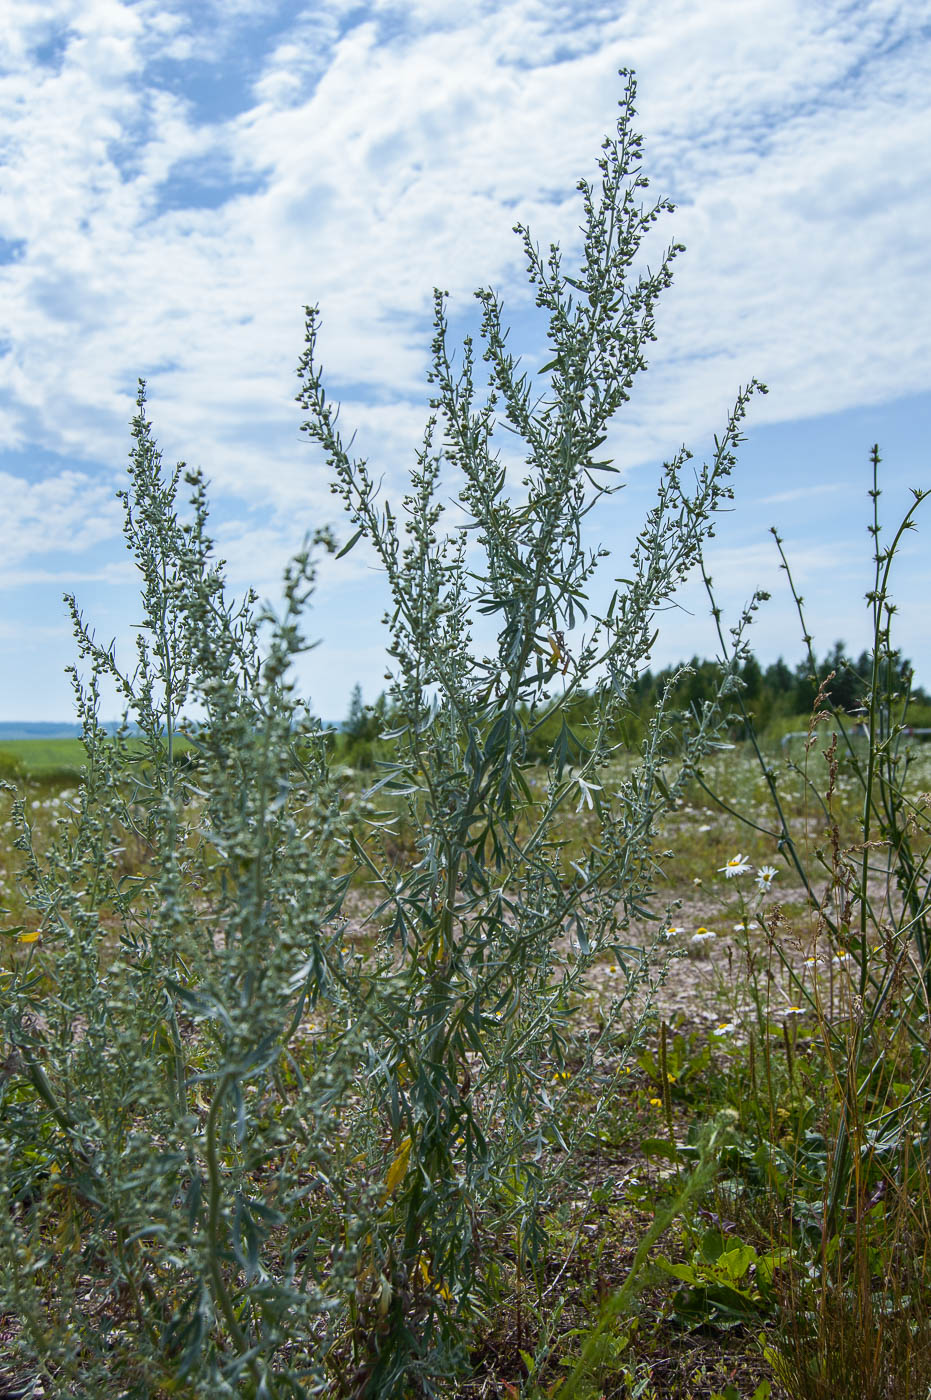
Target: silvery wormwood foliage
{"x":239,"y":1160}
{"x":170,"y":1135}
{"x":489,"y":934}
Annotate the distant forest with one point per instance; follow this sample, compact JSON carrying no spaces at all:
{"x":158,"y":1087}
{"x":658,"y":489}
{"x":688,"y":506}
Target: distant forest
{"x":780,"y":698}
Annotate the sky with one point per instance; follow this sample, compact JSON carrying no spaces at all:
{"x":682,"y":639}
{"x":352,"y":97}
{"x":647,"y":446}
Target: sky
{"x":179,"y":178}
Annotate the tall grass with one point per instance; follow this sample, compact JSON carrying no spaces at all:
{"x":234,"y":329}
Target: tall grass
{"x":853,"y":1196}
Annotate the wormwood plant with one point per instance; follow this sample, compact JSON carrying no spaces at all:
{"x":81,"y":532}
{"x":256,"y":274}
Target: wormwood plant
{"x":243,"y":1159}
{"x":167,"y":1138}
{"x":491,"y":931}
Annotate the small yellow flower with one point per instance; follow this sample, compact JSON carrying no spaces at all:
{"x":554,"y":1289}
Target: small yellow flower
{"x":657,"y":1103}
{"x":30,"y":937}
{"x":561,"y":1074}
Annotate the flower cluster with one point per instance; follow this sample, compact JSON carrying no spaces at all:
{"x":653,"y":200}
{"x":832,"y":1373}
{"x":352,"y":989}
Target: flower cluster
{"x":740,"y":865}
{"x":701,"y":934}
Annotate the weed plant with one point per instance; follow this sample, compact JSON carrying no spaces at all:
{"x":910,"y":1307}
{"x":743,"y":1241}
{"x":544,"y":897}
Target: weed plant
{"x":241,"y":1157}
{"x":492,"y":929}
{"x":161,"y":1136}
{"x":842,"y":1119}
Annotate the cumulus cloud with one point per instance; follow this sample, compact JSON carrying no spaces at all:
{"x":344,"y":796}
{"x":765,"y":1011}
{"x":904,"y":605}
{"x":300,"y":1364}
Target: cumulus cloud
{"x":65,"y":514}
{"x":181,"y":179}
{"x":356,"y":146}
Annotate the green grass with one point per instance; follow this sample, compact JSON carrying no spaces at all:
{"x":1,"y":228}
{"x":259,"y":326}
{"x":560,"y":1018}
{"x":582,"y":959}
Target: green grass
{"x":45,"y":758}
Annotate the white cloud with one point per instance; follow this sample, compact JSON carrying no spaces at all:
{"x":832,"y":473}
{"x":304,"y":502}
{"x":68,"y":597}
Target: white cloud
{"x":793,"y":164}
{"x":366,"y":161}
{"x":801,"y":493}
{"x":65,"y":514}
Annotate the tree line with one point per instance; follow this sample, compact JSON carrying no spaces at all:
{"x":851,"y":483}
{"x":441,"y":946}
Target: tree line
{"x":780,"y":698}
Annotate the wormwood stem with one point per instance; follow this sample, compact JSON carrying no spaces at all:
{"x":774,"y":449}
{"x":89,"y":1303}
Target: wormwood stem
{"x":220,"y":1290}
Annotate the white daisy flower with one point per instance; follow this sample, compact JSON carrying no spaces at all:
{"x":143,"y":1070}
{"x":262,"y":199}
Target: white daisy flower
{"x":702,"y":935}
{"x":725,"y":1028}
{"x":765,"y":877}
{"x":671,"y":930}
{"x":737,"y":865}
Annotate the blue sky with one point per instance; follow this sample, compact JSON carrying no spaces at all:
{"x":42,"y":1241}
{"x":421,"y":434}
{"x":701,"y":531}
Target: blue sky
{"x":178,"y":180}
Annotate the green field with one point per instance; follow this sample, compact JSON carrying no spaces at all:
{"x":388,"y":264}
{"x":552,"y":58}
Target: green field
{"x":48,"y":760}
{"x":44,"y":758}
